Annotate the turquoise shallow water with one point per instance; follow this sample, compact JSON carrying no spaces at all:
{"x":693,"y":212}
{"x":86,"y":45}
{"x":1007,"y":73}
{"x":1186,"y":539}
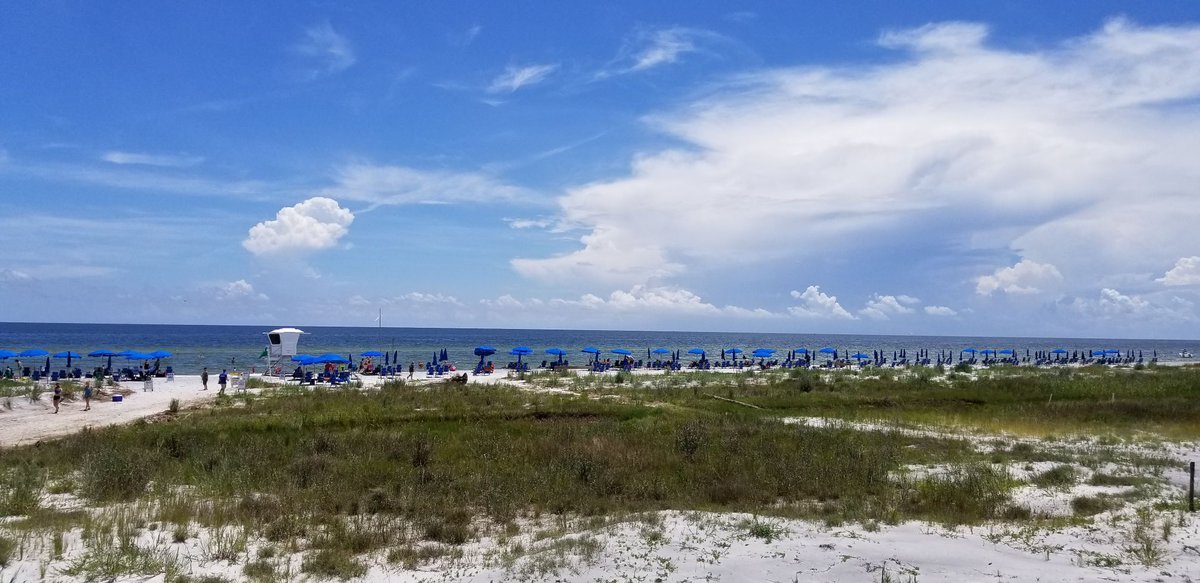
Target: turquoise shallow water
{"x":240,"y":346}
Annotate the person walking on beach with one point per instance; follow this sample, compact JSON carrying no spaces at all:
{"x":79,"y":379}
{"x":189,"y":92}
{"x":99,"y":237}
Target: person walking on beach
{"x":87,"y":396}
{"x":412,"y":366}
{"x":204,"y":378}
{"x":57,"y":396}
{"x":221,"y":380}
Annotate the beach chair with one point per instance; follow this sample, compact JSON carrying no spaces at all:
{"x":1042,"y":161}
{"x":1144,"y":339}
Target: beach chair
{"x":170,"y":374}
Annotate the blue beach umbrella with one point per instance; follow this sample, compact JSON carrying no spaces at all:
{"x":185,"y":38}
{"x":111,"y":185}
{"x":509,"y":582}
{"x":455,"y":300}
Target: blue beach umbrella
{"x":483,"y":352}
{"x":160,"y":354}
{"x":67,"y":355}
{"x":859,"y":356}
{"x":763,"y":353}
{"x":6,"y":354}
{"x":828,"y":350}
{"x":32,"y":352}
{"x":622,"y":352}
{"x":595,"y":352}
{"x":1006,"y":351}
{"x":697,"y":351}
{"x":521,"y":351}
{"x":560,"y":353}
{"x":1058,"y":351}
{"x":372,"y":353}
{"x":102,"y":354}
{"x":302,"y":357}
{"x":661,"y":351}
{"x":331,"y":358}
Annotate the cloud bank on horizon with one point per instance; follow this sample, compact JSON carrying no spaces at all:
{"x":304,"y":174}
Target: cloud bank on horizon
{"x":954,"y":182}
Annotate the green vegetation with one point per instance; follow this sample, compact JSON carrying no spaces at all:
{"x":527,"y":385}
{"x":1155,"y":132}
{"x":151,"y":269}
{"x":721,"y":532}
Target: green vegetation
{"x":410,"y":473}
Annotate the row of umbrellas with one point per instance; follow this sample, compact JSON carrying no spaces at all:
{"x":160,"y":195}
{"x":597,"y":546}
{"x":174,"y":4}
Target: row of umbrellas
{"x":70,"y":356}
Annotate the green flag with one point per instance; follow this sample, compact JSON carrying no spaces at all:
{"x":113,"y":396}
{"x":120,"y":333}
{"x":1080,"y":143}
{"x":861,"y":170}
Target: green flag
{"x":264,"y":354}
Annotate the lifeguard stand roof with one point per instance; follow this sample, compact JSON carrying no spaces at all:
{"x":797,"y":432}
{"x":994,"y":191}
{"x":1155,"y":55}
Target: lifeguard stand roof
{"x":286,"y":331}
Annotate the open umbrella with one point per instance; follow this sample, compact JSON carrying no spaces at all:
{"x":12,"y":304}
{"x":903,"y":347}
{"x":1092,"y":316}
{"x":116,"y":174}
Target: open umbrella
{"x":32,"y":352}
{"x":372,"y":353}
{"x":697,"y":351}
{"x":560,"y":353}
{"x":521,"y":351}
{"x":595,"y":352}
{"x":859,"y":356}
{"x":763,"y":353}
{"x":1007,"y":351}
{"x":664,"y":351}
{"x":828,"y":350}
{"x":1058,"y":351}
{"x":331,"y":358}
{"x":622,"y":352}
{"x":6,"y":354}
{"x":67,"y":355}
{"x":303,"y":357}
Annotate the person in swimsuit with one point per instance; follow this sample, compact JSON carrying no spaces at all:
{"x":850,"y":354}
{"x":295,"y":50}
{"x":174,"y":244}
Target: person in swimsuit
{"x":204,"y":378}
{"x":87,"y":396}
{"x":57,"y":396}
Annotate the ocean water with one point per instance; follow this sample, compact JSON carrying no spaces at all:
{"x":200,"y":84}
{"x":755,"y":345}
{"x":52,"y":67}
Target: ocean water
{"x":239,"y":347}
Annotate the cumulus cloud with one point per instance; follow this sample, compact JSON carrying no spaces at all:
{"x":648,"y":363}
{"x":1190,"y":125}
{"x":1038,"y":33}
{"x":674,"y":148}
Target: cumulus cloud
{"x":881,"y":307}
{"x":1026,"y":277}
{"x":940,"y":311}
{"x":238,"y":290}
{"x":514,"y":77}
{"x":163,"y":160}
{"x":964,"y":147}
{"x":1113,"y":304}
{"x":397,"y":185}
{"x":817,"y":304}
{"x":1185,"y":272}
{"x":315,"y":224}
{"x":328,"y":51}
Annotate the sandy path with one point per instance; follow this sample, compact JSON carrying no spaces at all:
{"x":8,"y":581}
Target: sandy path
{"x":29,"y":422}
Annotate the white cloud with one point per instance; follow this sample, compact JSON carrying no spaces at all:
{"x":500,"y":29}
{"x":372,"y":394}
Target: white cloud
{"x":429,"y":298}
{"x":1114,"y":304}
{"x":817,"y":304}
{"x":881,"y":307}
{"x":1185,"y":272}
{"x":13,"y":276}
{"x":971,"y":149}
{"x":164,"y":160}
{"x":329,"y":51}
{"x":514,"y":78}
{"x":650,"y":48}
{"x":940,"y":311}
{"x":238,"y":290}
{"x":315,"y":224}
{"x":395,"y":185}
{"x":1026,"y":277}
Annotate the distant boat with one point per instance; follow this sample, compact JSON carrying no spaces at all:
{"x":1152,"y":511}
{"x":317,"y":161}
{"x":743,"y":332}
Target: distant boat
{"x":1185,"y":354}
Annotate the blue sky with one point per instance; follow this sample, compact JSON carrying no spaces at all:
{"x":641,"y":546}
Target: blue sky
{"x":879,"y":167}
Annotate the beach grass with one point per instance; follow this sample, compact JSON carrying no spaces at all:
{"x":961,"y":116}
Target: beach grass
{"x":411,"y":472}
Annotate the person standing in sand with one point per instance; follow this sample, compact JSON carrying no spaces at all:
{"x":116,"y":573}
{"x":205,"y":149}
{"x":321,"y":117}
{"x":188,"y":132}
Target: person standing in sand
{"x":57,"y":396}
{"x":204,"y":378}
{"x":87,"y":396}
{"x":412,"y":366}
{"x":221,"y":380}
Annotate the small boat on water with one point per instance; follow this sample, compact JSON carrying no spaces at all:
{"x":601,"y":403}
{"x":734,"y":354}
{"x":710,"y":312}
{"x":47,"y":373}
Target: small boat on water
{"x":1185,"y":353}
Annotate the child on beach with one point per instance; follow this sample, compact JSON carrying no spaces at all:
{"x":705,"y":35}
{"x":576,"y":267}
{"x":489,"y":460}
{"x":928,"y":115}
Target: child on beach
{"x":87,"y":396}
{"x":221,"y":380}
{"x":57,"y":396}
{"x":204,"y":378}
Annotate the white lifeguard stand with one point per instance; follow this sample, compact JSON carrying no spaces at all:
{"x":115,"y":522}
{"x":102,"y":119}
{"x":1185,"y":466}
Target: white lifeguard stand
{"x":281,"y":347}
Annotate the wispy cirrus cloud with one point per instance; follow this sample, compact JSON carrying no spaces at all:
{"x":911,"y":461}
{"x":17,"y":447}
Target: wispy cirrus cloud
{"x":381,"y":185}
{"x":144,"y":159}
{"x":515,"y":77}
{"x":326,"y":51}
{"x":648,"y":48}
